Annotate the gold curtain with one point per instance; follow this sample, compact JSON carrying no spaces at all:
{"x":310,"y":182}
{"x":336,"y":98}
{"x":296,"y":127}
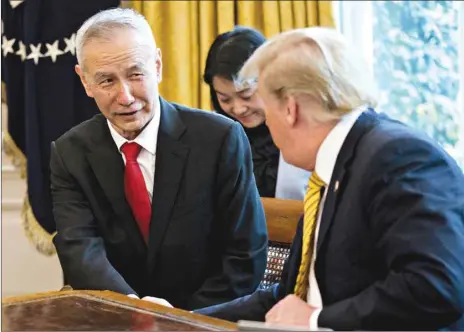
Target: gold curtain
{"x":184,"y":31}
{"x":272,"y":17}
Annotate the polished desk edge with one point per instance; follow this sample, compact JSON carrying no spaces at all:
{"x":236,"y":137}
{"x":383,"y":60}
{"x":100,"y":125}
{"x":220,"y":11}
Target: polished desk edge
{"x":121,"y":299}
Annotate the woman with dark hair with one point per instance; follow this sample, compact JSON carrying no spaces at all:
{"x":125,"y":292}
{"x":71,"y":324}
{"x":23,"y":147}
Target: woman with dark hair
{"x":274,"y":177}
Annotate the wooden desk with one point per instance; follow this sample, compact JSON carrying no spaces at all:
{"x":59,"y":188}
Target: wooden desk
{"x":99,"y":311}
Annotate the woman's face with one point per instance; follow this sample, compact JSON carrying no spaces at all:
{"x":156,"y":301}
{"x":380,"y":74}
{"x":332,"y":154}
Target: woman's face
{"x":245,"y":106}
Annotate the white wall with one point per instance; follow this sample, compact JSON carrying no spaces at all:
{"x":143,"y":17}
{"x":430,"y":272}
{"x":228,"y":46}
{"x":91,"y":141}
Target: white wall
{"x":24,"y":270}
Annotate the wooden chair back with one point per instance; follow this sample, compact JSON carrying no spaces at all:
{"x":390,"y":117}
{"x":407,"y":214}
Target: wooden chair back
{"x":282,"y":218}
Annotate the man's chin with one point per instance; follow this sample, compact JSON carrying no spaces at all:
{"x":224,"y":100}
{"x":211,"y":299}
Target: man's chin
{"x":128,"y":130}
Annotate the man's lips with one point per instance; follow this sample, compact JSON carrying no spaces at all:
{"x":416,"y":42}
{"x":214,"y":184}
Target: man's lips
{"x":131,"y":110}
{"x":126,"y":113}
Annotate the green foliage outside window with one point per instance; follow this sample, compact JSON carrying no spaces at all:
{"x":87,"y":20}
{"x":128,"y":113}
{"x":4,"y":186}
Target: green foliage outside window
{"x":415,"y":56}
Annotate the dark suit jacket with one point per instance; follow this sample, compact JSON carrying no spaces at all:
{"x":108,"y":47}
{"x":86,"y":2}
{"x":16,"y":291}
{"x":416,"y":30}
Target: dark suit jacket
{"x":391,"y":241}
{"x":208,"y":238}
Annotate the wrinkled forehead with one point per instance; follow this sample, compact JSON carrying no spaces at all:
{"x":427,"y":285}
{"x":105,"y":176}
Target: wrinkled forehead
{"x":117,"y":55}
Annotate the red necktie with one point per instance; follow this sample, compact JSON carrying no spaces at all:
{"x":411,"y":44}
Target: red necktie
{"x":135,"y":188}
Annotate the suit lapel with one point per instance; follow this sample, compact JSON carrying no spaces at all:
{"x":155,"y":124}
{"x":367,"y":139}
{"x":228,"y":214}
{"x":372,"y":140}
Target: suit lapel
{"x":335,"y":189}
{"x":108,"y":166}
{"x":171,"y":157}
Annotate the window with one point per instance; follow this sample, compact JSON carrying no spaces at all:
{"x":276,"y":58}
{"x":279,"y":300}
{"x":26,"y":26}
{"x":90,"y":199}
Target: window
{"x":415,"y":50}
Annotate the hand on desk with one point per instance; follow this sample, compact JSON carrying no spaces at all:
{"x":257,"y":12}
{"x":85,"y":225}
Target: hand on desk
{"x":152,"y":299}
{"x":290,"y":311}
{"x":157,"y":300}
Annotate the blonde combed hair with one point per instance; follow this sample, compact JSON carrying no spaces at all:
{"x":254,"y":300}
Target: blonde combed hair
{"x":316,"y":62}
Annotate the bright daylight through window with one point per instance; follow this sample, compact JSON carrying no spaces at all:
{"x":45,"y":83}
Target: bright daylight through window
{"x":416,"y":52}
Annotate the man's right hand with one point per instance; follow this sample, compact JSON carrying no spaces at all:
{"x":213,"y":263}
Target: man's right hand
{"x":152,"y":299}
{"x":157,"y":300}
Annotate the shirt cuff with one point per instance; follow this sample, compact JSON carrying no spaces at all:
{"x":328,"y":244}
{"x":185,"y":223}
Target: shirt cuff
{"x":313,"y":321}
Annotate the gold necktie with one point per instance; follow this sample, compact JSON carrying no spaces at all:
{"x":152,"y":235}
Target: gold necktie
{"x":311,"y":205}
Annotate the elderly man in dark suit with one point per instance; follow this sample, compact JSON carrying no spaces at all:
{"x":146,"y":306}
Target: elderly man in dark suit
{"x":381,"y":243}
{"x":152,"y":198}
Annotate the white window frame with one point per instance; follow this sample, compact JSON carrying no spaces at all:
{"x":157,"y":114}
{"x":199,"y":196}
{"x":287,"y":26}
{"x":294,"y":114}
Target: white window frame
{"x":351,"y":18}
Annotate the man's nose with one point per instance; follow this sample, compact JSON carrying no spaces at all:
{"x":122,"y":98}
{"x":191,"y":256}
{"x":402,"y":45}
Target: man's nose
{"x":125,"y":96}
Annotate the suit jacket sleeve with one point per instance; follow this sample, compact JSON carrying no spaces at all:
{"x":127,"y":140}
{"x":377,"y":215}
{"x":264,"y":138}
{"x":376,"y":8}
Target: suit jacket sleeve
{"x":415,"y":209}
{"x":80,"y":248}
{"x":255,"y":306}
{"x":240,"y":226}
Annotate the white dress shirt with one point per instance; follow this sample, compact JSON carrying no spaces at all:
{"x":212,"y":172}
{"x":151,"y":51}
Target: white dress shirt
{"x":291,"y":181}
{"x":147,"y":139}
{"x":325,"y":163}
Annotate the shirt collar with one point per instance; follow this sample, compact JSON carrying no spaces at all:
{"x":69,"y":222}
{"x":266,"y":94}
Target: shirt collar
{"x":330,"y":147}
{"x":147,"y":139}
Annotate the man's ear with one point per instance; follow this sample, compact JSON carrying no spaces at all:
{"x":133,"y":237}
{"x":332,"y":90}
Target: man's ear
{"x":291,"y":110}
{"x":80,"y":72}
{"x":159,"y":66}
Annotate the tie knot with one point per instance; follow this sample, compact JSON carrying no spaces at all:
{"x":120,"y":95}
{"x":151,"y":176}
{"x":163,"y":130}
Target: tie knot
{"x":315,"y":181}
{"x":131,"y":151}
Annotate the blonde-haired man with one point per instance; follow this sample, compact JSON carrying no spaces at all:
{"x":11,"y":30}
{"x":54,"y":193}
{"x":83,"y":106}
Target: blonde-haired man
{"x":381,"y":243}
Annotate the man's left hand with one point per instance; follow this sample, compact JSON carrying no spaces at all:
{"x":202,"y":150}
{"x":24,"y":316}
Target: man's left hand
{"x":290,"y":311}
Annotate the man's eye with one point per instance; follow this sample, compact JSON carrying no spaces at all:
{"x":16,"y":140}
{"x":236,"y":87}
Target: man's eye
{"x":106,"y":82}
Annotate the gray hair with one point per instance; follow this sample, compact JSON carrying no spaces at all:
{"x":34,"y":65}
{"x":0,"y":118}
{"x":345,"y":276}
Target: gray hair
{"x":103,"y":24}
{"x":315,"y":62}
